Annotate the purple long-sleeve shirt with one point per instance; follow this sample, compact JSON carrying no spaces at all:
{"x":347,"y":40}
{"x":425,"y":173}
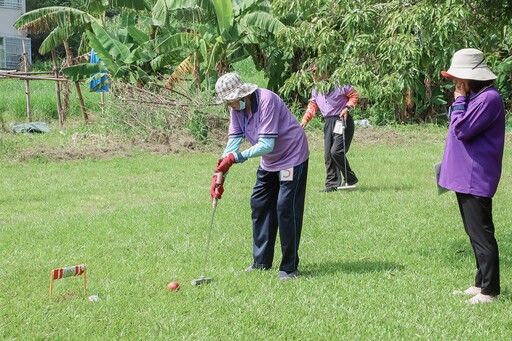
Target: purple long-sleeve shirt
{"x":473,"y":152}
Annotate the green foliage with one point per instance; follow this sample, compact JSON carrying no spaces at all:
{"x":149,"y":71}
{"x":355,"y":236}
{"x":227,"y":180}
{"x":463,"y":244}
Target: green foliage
{"x":224,"y":13}
{"x":392,"y":52}
{"x":198,"y":125}
{"x":82,"y":71}
{"x":212,"y":35}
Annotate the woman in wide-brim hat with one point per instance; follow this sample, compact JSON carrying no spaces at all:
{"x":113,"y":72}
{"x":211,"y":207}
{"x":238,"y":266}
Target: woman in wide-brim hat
{"x":277,"y":201}
{"x":472,"y":163}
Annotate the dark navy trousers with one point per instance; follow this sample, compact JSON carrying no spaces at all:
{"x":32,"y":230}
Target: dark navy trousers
{"x":278,"y":205}
{"x":476,"y":215}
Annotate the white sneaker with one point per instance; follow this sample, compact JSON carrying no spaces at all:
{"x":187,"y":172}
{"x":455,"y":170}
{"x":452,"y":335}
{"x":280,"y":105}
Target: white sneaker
{"x":481,"y":298}
{"x":284,"y":276}
{"x":469,"y":291}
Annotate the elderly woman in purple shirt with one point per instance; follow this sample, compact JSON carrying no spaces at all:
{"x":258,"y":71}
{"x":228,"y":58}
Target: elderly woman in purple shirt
{"x":278,"y":196}
{"x":472,"y":162}
{"x":334,"y":106}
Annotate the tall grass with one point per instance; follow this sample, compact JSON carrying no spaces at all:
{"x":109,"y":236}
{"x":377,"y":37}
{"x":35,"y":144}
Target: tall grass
{"x":13,"y":104}
{"x":13,"y":107}
{"x":247,"y":72}
{"x":379,"y":262}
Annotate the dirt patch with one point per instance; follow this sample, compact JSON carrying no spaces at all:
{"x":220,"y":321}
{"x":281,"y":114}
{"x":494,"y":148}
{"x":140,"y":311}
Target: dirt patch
{"x":83,"y":146}
{"x":382,"y":136}
{"x":371,"y":136}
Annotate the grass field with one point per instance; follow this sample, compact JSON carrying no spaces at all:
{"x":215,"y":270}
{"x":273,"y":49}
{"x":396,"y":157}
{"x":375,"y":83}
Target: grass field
{"x":42,"y":99}
{"x":379,"y":262}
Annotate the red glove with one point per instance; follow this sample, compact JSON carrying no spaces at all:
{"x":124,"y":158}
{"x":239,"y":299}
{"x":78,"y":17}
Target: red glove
{"x":216,"y":189}
{"x":225,"y":163}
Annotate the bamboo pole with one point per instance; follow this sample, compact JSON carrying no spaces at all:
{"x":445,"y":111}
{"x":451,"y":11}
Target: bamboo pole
{"x":25,"y":73}
{"x":9,"y":75}
{"x":57,"y":89}
{"x":27,"y":84}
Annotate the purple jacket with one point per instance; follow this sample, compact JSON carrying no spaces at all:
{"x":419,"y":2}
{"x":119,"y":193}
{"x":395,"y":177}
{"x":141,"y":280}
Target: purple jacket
{"x":474,"y":146}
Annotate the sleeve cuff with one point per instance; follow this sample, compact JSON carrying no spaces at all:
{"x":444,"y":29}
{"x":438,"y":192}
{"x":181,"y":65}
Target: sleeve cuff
{"x":239,"y":158}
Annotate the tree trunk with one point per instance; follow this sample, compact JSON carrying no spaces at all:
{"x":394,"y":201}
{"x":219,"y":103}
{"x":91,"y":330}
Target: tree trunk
{"x":408,"y":107}
{"x":69,"y":58}
{"x":81,"y":100}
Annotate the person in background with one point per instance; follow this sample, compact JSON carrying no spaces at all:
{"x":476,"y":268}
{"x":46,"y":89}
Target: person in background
{"x":334,"y":106}
{"x":278,"y":196}
{"x":472,"y":162}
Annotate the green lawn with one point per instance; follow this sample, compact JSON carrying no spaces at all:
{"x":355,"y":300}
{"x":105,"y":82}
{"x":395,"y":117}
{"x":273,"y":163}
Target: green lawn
{"x":379,"y":262}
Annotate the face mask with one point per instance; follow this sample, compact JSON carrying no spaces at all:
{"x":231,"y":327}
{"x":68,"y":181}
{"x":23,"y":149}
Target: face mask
{"x":242,"y":104}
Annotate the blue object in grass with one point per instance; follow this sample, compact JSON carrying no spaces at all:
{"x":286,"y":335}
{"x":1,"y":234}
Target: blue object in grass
{"x":98,"y":84}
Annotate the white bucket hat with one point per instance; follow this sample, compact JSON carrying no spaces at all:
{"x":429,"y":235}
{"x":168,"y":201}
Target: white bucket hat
{"x":230,"y":87}
{"x":469,"y":64}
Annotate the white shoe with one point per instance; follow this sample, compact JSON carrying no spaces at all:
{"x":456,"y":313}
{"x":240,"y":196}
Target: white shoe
{"x":469,"y":291}
{"x":284,"y":276}
{"x":481,"y":298}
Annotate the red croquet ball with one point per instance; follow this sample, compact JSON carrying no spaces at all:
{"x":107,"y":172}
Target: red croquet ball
{"x":173,"y":286}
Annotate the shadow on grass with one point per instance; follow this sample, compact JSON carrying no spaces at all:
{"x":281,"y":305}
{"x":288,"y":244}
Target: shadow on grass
{"x":363,"y":266}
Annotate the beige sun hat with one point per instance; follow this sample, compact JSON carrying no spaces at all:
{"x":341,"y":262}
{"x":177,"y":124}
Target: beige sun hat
{"x":229,"y":87}
{"x":469,"y":64}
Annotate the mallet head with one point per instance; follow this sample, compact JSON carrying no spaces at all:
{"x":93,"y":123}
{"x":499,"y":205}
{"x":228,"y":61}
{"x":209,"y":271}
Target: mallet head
{"x":201,"y":280}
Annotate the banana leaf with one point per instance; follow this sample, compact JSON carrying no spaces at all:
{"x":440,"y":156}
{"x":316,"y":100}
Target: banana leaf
{"x":82,"y":71}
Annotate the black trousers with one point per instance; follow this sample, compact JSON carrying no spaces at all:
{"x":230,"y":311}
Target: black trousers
{"x":476,"y":215}
{"x":334,"y":153}
{"x":276,"y":204}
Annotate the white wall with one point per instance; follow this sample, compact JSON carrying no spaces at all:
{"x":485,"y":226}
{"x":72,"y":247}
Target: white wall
{"x":8,"y":17}
{"x":11,"y":41}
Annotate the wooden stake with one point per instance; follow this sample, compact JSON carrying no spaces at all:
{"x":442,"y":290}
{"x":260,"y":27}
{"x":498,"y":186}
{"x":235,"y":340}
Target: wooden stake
{"x":85,"y":283}
{"x":102,"y":102}
{"x":51,"y":284}
{"x":27,"y":85}
{"x":57,"y":90}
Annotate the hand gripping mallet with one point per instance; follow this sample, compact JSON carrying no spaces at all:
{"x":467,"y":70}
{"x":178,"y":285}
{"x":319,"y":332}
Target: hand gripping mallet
{"x":203,"y":279}
{"x":345,"y":185}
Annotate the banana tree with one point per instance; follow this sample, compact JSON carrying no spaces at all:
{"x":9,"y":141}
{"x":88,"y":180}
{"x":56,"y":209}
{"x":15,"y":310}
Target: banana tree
{"x":242,"y":29}
{"x":137,"y":52}
{"x":63,"y":22}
